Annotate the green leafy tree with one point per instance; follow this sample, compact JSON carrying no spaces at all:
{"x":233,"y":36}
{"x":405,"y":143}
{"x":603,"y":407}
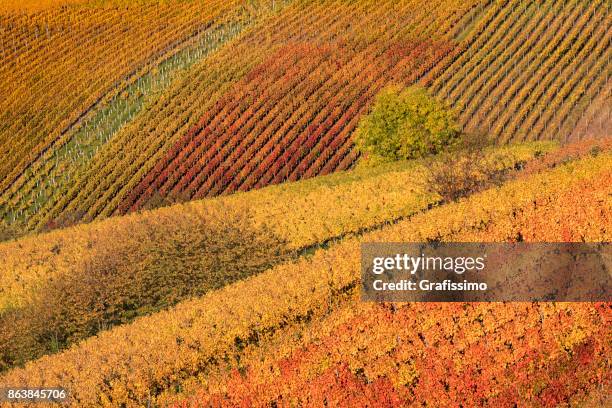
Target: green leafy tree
{"x":406,"y":124}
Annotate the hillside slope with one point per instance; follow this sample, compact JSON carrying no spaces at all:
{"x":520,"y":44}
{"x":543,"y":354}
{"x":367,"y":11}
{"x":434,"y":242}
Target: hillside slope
{"x":147,"y":262}
{"x":96,"y":171}
{"x":273,"y":92}
{"x":110,"y":59}
{"x":237,"y":118}
{"x":531,"y":69}
{"x":261,"y":110}
{"x":205,"y":339}
{"x":62,"y":61}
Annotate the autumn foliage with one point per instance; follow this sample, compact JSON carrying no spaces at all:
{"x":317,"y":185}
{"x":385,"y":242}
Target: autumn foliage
{"x":94,"y":277}
{"x":531,"y":70}
{"x":170,"y":350}
{"x":245,"y":117}
{"x":59,"y":62}
{"x":245,"y":121}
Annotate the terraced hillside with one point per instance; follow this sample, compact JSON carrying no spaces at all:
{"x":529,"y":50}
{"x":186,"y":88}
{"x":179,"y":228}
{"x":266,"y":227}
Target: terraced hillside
{"x":289,"y":336}
{"x":60,"y":62}
{"x":253,"y":94}
{"x":531,"y":70}
{"x":183,"y":200}
{"x":151,"y":261}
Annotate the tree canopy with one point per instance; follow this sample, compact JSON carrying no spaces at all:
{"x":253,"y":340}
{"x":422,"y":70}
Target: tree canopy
{"x":406,"y":124}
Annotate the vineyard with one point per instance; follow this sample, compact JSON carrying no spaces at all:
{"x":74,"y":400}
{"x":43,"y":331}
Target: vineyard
{"x":308,"y":33}
{"x":427,"y":350}
{"x":273,"y":92}
{"x":135,"y":243}
{"x":84,"y":55}
{"x":530,"y":70}
{"x":265,"y":316}
{"x":184,"y":195}
{"x":67,"y":152}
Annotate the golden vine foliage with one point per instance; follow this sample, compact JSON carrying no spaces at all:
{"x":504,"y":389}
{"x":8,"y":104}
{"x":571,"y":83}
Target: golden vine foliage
{"x":301,"y":214}
{"x":360,"y":36}
{"x":94,"y":277}
{"x":476,"y":354}
{"x":135,"y":363}
{"x":58,"y":63}
{"x":34,"y":5}
{"x":111,"y":282}
{"x":530,"y":70}
{"x":544,"y":84}
{"x":39,"y":5}
{"x":149,"y":262}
